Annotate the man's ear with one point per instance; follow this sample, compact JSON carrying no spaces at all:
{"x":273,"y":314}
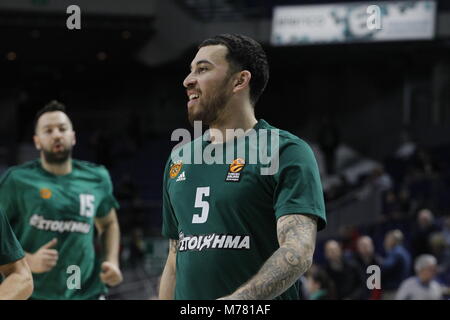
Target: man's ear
{"x":74,"y":141}
{"x":37,"y":143}
{"x":242,"y":80}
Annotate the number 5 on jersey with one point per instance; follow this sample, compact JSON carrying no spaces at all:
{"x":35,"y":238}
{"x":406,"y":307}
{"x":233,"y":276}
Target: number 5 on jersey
{"x":200,"y":203}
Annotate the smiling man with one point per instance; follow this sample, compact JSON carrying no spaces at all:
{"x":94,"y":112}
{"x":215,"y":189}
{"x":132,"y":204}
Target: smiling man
{"x":53,"y":204}
{"x":234,"y":232}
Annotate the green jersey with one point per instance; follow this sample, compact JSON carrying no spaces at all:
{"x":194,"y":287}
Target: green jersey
{"x":42,"y":206}
{"x":224,"y":215}
{"x":10,"y":249}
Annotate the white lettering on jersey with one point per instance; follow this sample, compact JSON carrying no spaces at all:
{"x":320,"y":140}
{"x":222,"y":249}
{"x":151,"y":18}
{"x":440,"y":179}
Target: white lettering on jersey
{"x":213,"y":241}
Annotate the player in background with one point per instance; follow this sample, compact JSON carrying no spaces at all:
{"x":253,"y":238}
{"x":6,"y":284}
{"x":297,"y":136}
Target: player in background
{"x":53,"y":204}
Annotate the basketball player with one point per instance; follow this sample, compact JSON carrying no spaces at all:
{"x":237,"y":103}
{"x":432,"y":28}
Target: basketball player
{"x":53,"y":204}
{"x":235,"y":233}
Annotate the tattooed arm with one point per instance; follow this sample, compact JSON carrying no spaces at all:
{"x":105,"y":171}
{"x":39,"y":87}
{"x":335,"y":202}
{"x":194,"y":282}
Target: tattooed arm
{"x":168,"y":278}
{"x":297,"y":239}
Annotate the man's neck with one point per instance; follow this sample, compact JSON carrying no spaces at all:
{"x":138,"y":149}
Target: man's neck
{"x":366,"y":259}
{"x":424,"y":281}
{"x":241,"y":117}
{"x":57,"y":169}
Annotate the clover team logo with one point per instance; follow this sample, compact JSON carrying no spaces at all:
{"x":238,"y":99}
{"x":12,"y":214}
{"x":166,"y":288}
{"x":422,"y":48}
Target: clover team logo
{"x":45,"y":193}
{"x":175,"y":169}
{"x":234,"y":171}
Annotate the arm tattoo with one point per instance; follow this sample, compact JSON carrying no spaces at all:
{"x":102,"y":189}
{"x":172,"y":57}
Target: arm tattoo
{"x":173,"y":245}
{"x":297,"y":237}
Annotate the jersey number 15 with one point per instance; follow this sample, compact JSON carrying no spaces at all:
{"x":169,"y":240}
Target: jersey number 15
{"x":87,"y":205}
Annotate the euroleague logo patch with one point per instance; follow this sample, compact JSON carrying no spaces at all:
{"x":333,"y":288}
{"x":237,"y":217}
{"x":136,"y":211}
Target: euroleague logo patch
{"x":175,"y":169}
{"x":235,"y":170}
{"x":45,"y":193}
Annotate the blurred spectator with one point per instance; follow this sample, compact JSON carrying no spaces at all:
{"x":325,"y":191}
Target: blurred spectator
{"x":345,"y":275}
{"x":407,"y":146}
{"x":365,"y":252}
{"x":422,"y":179}
{"x":396,"y":265}
{"x":392,"y":206}
{"x":422,"y":286}
{"x":319,"y":285}
{"x":422,"y":229}
{"x":441,"y":250}
{"x":364,"y":257}
{"x":348,"y":237}
{"x":446,"y":230}
{"x":377,"y":181}
{"x":380,"y":180}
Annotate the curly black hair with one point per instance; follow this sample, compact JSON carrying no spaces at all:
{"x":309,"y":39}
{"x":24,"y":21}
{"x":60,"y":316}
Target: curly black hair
{"x":49,"y":107}
{"x":244,"y":53}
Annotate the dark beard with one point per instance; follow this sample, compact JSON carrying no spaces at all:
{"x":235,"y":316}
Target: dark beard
{"x":57,"y":157}
{"x":210,"y":110}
